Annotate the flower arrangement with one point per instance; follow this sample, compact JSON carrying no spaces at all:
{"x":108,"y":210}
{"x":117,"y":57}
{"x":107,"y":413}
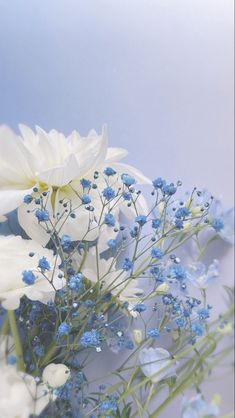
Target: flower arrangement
{"x":99,"y":270}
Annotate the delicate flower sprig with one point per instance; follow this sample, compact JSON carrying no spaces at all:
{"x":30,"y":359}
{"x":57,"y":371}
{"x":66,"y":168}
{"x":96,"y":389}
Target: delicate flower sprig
{"x":110,"y":275}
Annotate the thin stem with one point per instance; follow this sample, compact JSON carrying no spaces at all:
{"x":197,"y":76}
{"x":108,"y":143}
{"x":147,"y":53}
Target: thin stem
{"x":16,"y":337}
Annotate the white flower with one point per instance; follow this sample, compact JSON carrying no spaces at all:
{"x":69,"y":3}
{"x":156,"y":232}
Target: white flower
{"x":14,"y":261}
{"x":112,"y":279}
{"x":156,"y":363}
{"x":20,"y":396}
{"x":55,"y":375}
{"x":56,"y":164}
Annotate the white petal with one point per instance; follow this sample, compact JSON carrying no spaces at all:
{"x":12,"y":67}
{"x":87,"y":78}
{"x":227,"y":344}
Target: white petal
{"x":31,"y":226}
{"x":81,"y":227}
{"x":130,"y":211}
{"x":11,"y":199}
{"x":115,"y":154}
{"x":60,"y":176}
{"x":153,"y":360}
{"x":11,"y":300}
{"x":11,"y":146}
{"x":91,"y":152}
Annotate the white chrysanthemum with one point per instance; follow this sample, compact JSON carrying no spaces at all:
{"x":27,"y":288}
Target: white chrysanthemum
{"x":56,"y":164}
{"x":55,"y":375}
{"x":112,"y":279}
{"x":156,"y":364}
{"x":15,"y":260}
{"x":20,"y":396}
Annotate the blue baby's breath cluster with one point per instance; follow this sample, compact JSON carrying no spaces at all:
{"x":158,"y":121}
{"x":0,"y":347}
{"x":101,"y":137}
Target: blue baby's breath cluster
{"x":129,"y":290}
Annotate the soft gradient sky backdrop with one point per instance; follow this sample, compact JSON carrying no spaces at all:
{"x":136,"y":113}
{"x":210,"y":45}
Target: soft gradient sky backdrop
{"x":158,"y":72}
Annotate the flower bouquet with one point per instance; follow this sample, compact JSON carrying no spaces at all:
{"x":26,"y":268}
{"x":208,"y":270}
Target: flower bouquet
{"x":104,"y":295}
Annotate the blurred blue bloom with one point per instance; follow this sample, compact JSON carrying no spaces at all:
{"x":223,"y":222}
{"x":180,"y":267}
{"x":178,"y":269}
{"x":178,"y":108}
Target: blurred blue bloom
{"x":200,"y":277}
{"x":222,"y":221}
{"x":197,"y":329}
{"x":197,"y":407}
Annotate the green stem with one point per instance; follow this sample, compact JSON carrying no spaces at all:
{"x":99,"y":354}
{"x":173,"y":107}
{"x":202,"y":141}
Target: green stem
{"x":16,"y":337}
{"x":5,"y":326}
{"x":188,"y":382}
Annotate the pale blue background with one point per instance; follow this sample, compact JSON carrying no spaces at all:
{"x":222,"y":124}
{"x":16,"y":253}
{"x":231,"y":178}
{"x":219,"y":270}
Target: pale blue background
{"x":158,"y":72}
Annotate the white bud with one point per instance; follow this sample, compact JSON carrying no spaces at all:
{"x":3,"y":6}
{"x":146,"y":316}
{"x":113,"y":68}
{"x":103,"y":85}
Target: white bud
{"x":137,"y":335}
{"x":55,"y":375}
{"x":163,"y":288}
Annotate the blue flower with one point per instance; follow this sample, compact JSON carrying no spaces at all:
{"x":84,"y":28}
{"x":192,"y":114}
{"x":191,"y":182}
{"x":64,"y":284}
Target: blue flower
{"x":180,"y":322}
{"x":28,"y":277}
{"x":85,"y":199}
{"x":203,"y":313}
{"x":134,"y":232}
{"x":28,"y":199}
{"x":39,"y":350}
{"x":64,"y":329}
{"x":109,"y":219}
{"x":141,"y":219}
{"x":89,"y":303}
{"x":156,"y":223}
{"x":43,"y":264}
{"x":197,"y":329}
{"x":109,"y":171}
{"x":86,"y":184}
{"x":127,"y":180}
{"x":167,"y":299}
{"x":11,"y":359}
{"x":65,"y":241}
{"x":182,"y":212}
{"x":108,"y":405}
{"x":153,"y":333}
{"x":157,"y":252}
{"x":126,"y":196}
{"x":75,"y":283}
{"x":112,"y":243}
{"x":140,"y":307}
{"x":222,"y":221}
{"x":179,"y":224}
{"x":178,"y":272}
{"x":158,"y":183}
{"x":109,"y":193}
{"x":42,"y":215}
{"x":169,"y":189}
{"x":127,"y":264}
{"x":90,"y":338}
{"x":217,"y":224}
